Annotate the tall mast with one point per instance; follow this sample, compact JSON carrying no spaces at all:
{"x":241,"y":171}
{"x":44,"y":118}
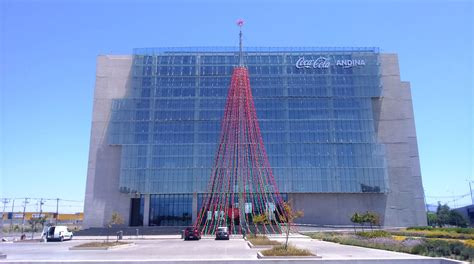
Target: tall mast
{"x":240,"y":23}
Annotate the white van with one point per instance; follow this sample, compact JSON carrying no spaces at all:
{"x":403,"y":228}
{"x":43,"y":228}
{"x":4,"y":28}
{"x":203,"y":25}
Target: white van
{"x":60,"y":233}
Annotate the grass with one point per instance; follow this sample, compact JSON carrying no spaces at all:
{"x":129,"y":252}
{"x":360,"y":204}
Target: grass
{"x":434,"y":233}
{"x":262,"y":241}
{"x":103,"y":244}
{"x":373,"y":234}
{"x":399,"y":238}
{"x":290,"y":251}
{"x":469,"y":243}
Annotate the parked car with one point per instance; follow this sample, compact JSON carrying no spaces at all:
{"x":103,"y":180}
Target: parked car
{"x":192,"y":233}
{"x":59,"y":233}
{"x":222,"y":233}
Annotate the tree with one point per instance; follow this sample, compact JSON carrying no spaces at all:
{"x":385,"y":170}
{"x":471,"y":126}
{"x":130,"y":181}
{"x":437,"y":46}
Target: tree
{"x":442,"y":214}
{"x":33,"y":222}
{"x":372,"y":218}
{"x":356,"y":218}
{"x":457,"y":219}
{"x":432,"y":219}
{"x":261,"y":219}
{"x":289,"y":215}
{"x":115,"y":219}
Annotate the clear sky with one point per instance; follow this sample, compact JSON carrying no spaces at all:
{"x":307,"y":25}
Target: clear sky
{"x":49,"y":49}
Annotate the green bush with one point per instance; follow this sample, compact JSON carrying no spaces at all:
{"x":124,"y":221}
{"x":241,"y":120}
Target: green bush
{"x":467,"y":253}
{"x":443,"y":248}
{"x":420,"y":228}
{"x":439,"y":247}
{"x":373,"y":234}
{"x":456,"y":247}
{"x":419,"y":249}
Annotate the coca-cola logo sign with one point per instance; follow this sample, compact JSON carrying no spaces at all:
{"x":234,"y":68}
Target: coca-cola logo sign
{"x":324,"y":63}
{"x":319,"y":63}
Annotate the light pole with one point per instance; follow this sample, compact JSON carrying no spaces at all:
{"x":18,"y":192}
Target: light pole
{"x":13,"y":211}
{"x":57,"y":210}
{"x":454,"y":199}
{"x":5,"y":201}
{"x":470,"y":190}
{"x":24,"y":212}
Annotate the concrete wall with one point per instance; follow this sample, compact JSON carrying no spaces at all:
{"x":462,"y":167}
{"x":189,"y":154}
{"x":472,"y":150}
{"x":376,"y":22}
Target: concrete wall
{"x":102,"y":187}
{"x":395,"y":128}
{"x":335,"y":208}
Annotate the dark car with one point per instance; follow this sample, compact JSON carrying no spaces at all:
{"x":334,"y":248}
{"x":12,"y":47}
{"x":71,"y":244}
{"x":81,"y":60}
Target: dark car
{"x":191,"y":233}
{"x":222,"y":233}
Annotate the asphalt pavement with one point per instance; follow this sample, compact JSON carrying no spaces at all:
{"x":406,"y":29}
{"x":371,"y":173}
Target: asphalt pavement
{"x":172,"y":248}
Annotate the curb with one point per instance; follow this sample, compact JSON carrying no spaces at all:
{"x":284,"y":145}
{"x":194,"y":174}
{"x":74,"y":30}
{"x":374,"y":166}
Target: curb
{"x":102,"y":248}
{"x":258,"y":246}
{"x":261,"y":256}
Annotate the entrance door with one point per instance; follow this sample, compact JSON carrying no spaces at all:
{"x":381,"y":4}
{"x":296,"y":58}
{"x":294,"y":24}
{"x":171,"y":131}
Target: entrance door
{"x":136,"y":212}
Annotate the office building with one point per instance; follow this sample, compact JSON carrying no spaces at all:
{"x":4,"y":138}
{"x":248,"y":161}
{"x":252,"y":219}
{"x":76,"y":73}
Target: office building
{"x":337,"y":125}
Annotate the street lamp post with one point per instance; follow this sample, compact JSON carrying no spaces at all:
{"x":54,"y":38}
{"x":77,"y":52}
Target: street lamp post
{"x":24,"y":212}
{"x":470,"y":190}
{"x":5,"y":202}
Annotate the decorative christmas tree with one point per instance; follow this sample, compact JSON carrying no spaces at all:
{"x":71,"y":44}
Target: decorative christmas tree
{"x":241,"y":185}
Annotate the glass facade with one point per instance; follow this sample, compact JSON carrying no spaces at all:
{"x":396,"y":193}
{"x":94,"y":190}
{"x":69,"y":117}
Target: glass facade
{"x":170,"y":209}
{"x":315,"y":108}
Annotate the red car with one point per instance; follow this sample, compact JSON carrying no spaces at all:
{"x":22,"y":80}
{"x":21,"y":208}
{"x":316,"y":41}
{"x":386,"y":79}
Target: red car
{"x":191,"y":233}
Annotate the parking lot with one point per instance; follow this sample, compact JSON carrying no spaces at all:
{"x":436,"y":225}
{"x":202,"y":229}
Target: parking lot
{"x":173,"y":248}
{"x":156,"y":249}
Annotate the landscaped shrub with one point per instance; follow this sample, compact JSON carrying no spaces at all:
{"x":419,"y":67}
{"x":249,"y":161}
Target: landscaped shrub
{"x":374,"y":234}
{"x":456,"y":247}
{"x":290,"y":251}
{"x":443,"y":248}
{"x":439,"y":247}
{"x":420,"y":228}
{"x":459,"y":230}
{"x":467,"y":253}
{"x":425,"y":246}
{"x":411,"y":242}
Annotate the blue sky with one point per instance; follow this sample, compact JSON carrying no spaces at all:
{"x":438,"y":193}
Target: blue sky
{"x":49,"y":49}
